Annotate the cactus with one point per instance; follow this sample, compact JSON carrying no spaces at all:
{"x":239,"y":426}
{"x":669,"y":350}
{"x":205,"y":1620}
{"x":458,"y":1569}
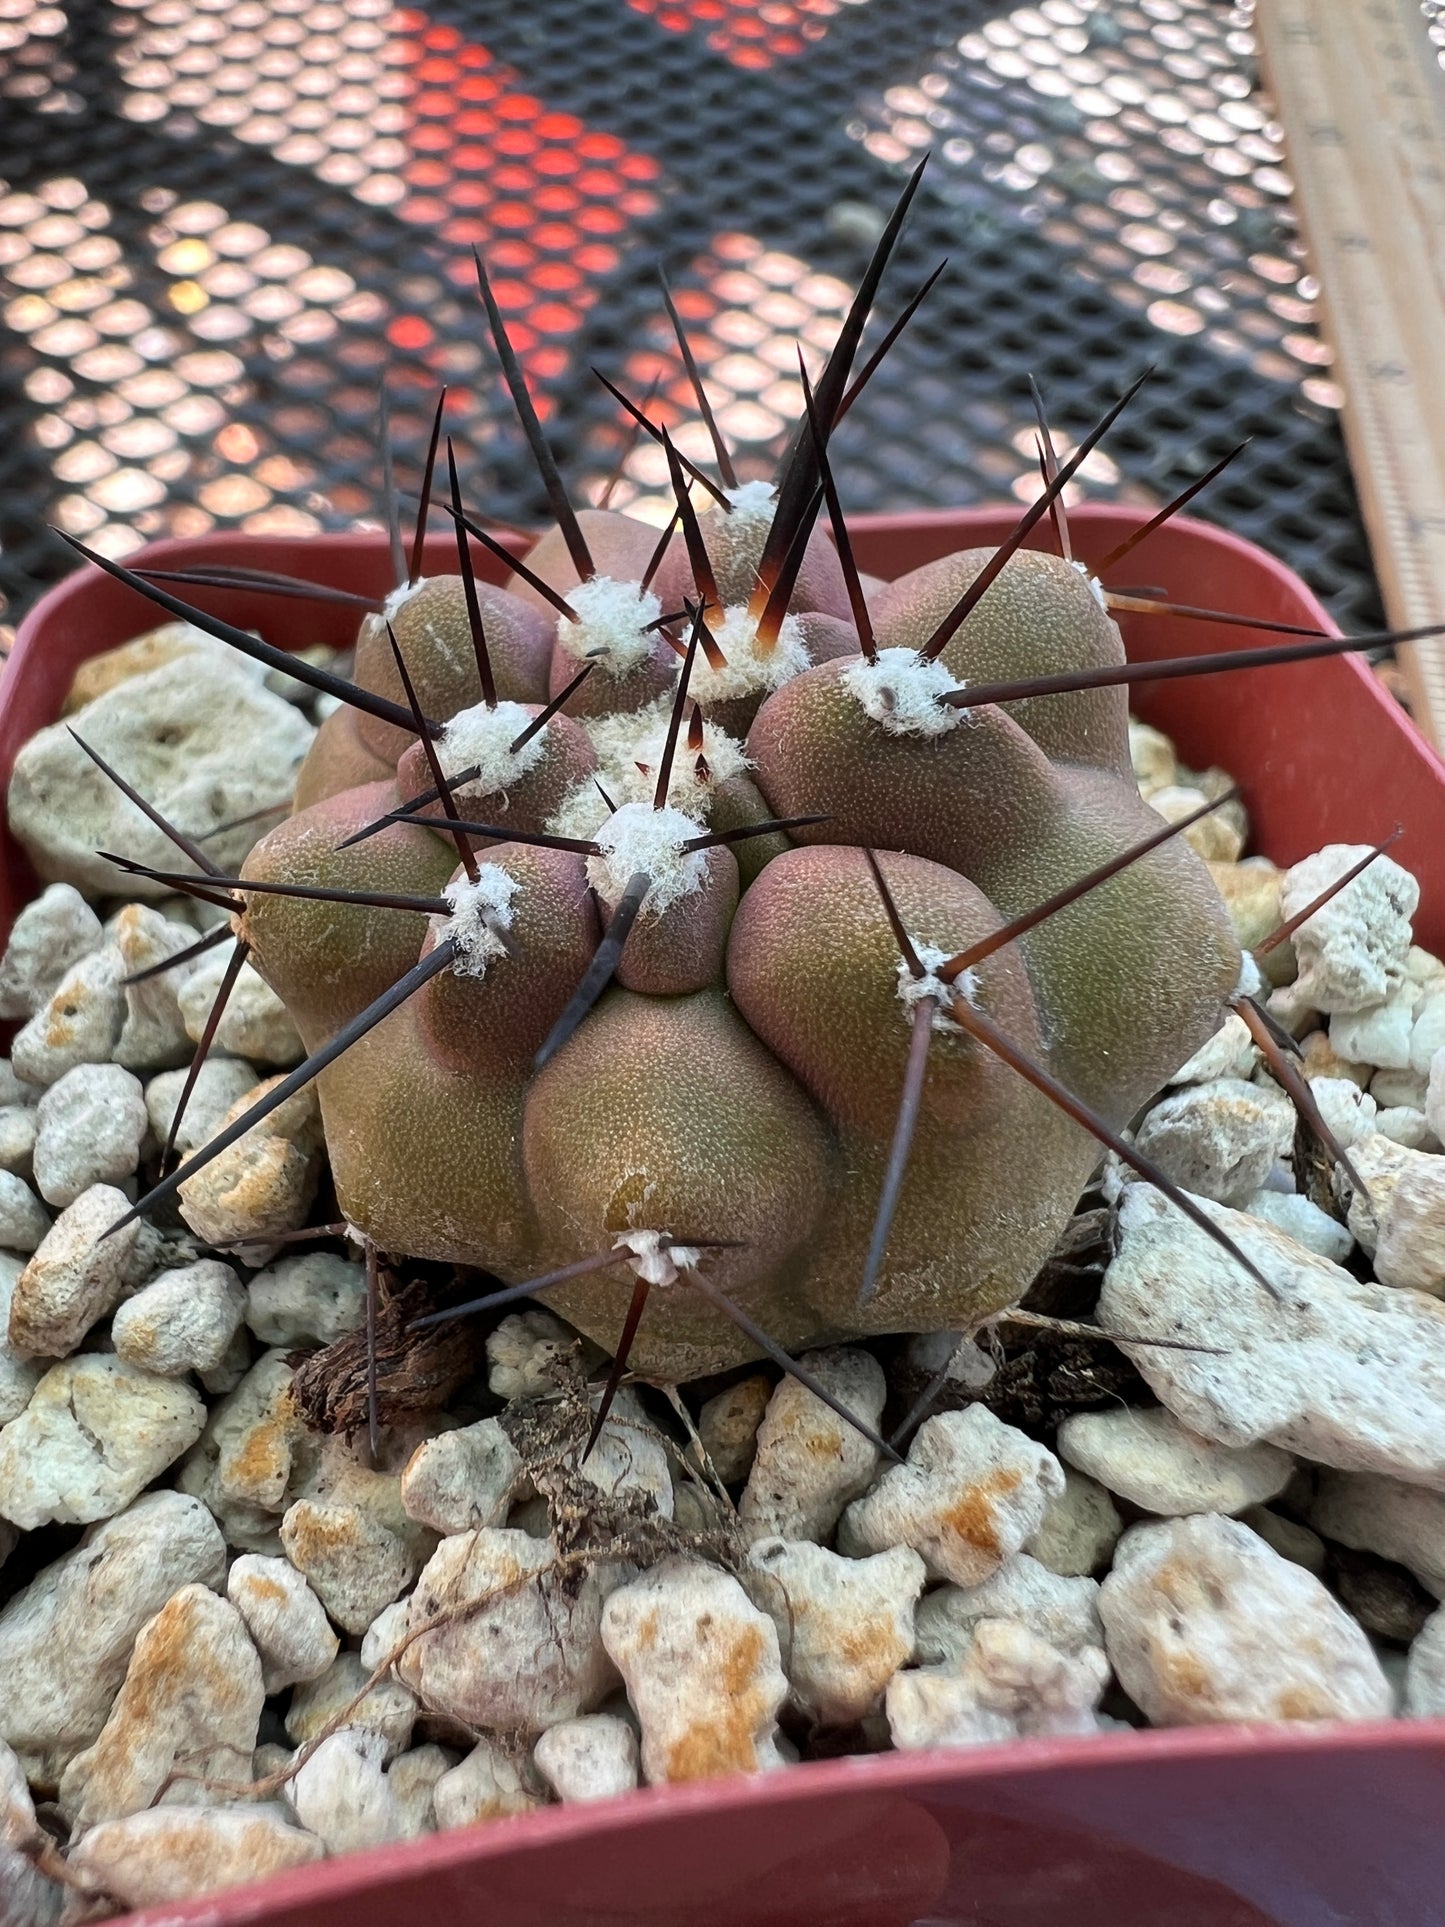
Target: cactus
{"x":742,"y":954}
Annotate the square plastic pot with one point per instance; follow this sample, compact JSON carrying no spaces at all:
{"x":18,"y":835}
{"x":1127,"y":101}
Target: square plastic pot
{"x":1202,"y":1827}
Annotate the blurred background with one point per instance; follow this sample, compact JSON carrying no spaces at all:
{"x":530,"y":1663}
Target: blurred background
{"x":224,"y":222}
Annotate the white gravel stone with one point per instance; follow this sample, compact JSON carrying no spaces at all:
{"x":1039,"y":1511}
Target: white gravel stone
{"x":1402,"y":1221}
{"x":1080,"y":1528}
{"x":1219,"y":1139}
{"x":1150,"y":1459}
{"x":1348,"y":1111}
{"x":1372,"y":1513}
{"x":971,"y":1495}
{"x":388,"y":1709}
{"x":531,"y":1657}
{"x":413,"y":1781}
{"x":311,"y":1299}
{"x":1204,"y":1622}
{"x":251,"y":1441}
{"x":24,"y":1221}
{"x":524,"y":1351}
{"x":13,"y":1089}
{"x":1425,"y":1671}
{"x":1435,"y":1096}
{"x":153,"y":1036}
{"x":1354,"y":951}
{"x":262,"y":1183}
{"x":180,"y":1853}
{"x":76,"y":1275}
{"x":631,"y":1457}
{"x":465,"y":1480}
{"x":385,"y":1633}
{"x":53,"y":932}
{"x":90,"y":1124}
{"x":1345,"y":1373}
{"x":485,"y":1786}
{"x":66,"y":1639}
{"x":183,"y":1321}
{"x":702,"y":1671}
{"x":187,"y":1713}
{"x":728,"y":1426}
{"x":595,"y":1757}
{"x":809,"y":1462}
{"x":1380,"y":1035}
{"x":1213,"y":837}
{"x":18,"y":1376}
{"x":17,"y":1138}
{"x":1229,"y":1053}
{"x":219,"y":1083}
{"x":198,"y":737}
{"x":1011,"y":1685}
{"x":355,"y":1562}
{"x":1288,"y":1538}
{"x":94,"y":1435}
{"x":81,"y":1023}
{"x":342,"y":1795}
{"x":1303,"y":1220}
{"x":844,"y":1626}
{"x":254,"y":1023}
{"x":285,"y":1619}
{"x":1404,"y":1124}
{"x":27,"y":1897}
{"x":1392,"y":1089}
{"x":1065,"y":1612}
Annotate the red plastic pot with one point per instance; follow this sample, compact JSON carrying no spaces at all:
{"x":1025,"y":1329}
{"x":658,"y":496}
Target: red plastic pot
{"x":1207,"y":1827}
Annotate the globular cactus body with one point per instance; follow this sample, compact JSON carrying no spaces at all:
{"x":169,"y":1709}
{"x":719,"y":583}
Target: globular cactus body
{"x":736,"y":1085}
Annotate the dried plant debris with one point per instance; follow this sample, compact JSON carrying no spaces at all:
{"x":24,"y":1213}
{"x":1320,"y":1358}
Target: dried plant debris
{"x":684,"y":1159}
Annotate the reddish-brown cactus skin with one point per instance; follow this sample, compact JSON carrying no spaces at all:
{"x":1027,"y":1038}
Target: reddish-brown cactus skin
{"x":740,"y":1079}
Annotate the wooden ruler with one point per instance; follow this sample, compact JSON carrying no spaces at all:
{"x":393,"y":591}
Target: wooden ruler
{"x":1362,"y":100}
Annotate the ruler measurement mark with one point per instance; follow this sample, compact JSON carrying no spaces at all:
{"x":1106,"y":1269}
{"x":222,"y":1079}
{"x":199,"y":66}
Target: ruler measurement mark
{"x":1362,"y":100}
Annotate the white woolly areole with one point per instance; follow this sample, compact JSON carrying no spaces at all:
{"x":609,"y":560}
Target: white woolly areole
{"x":629,"y":747}
{"x":478,"y":910}
{"x":652,"y":1260}
{"x":748,"y":669}
{"x":753,"y":501}
{"x":639,"y":837}
{"x":483,"y":737}
{"x":400,"y":596}
{"x":901,"y":693}
{"x":615,"y":617}
{"x":1251,"y":979}
{"x":1096,"y":587}
{"x":912,"y":990}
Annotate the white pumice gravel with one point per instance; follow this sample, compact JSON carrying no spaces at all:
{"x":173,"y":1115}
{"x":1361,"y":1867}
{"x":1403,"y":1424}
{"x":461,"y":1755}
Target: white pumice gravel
{"x":595,"y":1757}
{"x":89,"y":1128}
{"x":79,"y":1024}
{"x":972,"y":1494}
{"x":1204,"y":1622}
{"x":1400,"y":1219}
{"x":51,"y":933}
{"x":219,"y":1083}
{"x":1079,"y":1530}
{"x":341,"y":1793}
{"x":336,"y":1696}
{"x":183,"y":1321}
{"x":1150,"y":1459}
{"x":1219,"y":1139}
{"x":702,"y":1671}
{"x":254,"y":1024}
{"x":180,"y":1853}
{"x":1011,"y":1684}
{"x":463,"y":1480}
{"x":809,"y":1462}
{"x":24,"y":1221}
{"x":844,"y":1626}
{"x":77,"y":1273}
{"x":486,"y":1785}
{"x":186,"y":1715}
{"x":1354,"y":951}
{"x":1371,"y":1513}
{"x":311,"y":1298}
{"x":285,"y":1619}
{"x":1065,"y":1612}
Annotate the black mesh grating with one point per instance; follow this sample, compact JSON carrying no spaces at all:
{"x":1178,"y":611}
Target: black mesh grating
{"x":222,"y":220}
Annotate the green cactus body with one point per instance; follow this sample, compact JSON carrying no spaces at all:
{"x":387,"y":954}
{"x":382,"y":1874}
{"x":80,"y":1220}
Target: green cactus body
{"x":737,"y":1082}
